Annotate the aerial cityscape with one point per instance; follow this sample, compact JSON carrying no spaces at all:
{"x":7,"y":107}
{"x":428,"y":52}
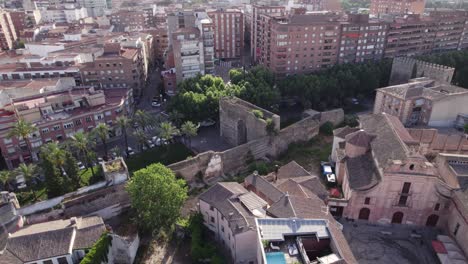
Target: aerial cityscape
{"x":233,"y":131}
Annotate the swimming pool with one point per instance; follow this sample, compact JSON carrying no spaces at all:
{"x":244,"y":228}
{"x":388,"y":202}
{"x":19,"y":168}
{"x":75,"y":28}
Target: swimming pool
{"x":275,"y":258}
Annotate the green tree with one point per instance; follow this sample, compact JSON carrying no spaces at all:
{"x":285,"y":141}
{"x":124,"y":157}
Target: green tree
{"x":53,"y":177}
{"x":189,"y":130}
{"x":22,"y":129}
{"x":141,"y":118}
{"x":102,"y":132}
{"x":141,"y":138}
{"x":5,"y":177}
{"x":465,"y":128}
{"x":168,"y":131}
{"x":124,"y":123}
{"x":84,"y":145}
{"x":71,"y":170}
{"x":157,"y":197}
{"x":28,"y":171}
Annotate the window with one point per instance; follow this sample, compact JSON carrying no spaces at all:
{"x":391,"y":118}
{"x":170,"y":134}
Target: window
{"x":11,"y":150}
{"x":56,"y":127}
{"x":406,"y":187}
{"x":212,"y":220}
{"x":222,"y":229}
{"x":47,"y":261}
{"x":59,"y":137}
{"x":7,"y":140}
{"x":437,"y":207}
{"x":78,"y":122}
{"x":455,"y":231}
{"x":88,"y":119}
{"x":211,"y":208}
{"x":402,"y":201}
{"x":45,"y":130}
{"x":62,"y":260}
{"x":367,"y":200}
{"x":68,"y":125}
{"x":411,"y":167}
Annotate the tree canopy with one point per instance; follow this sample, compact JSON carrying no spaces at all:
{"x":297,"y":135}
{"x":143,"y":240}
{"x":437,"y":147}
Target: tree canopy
{"x":157,"y":196}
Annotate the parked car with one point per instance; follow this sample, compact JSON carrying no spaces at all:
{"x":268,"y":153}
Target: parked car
{"x":155,"y":104}
{"x":326,"y":168}
{"x":130,"y":151}
{"x":331,"y":179}
{"x":100,"y":160}
{"x":80,"y":165}
{"x":207,"y":122}
{"x":150,"y":144}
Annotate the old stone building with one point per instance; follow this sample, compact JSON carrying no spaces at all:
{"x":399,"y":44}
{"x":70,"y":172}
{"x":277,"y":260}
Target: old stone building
{"x":239,"y":124}
{"x":423,"y":101}
{"x":387,"y":177}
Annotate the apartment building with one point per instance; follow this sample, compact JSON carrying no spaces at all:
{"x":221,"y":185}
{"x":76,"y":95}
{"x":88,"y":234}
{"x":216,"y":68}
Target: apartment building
{"x":160,"y":40}
{"x":116,"y":68}
{"x":95,"y":8}
{"x":187,"y":46}
{"x":362,"y":39}
{"x":11,"y":24}
{"x":378,"y":7}
{"x":58,"y":112}
{"x":299,"y":43}
{"x":205,"y":26}
{"x":131,"y":20}
{"x":409,"y":36}
{"x":180,"y":19}
{"x":229,"y":33}
{"x":450,"y":28}
{"x":258,"y":26}
{"x":65,"y":14}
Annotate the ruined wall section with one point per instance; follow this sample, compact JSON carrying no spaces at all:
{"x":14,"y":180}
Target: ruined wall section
{"x":404,"y":68}
{"x":239,"y":125}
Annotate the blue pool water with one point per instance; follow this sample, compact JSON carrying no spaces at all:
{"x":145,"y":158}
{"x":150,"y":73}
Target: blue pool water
{"x":275,"y":258}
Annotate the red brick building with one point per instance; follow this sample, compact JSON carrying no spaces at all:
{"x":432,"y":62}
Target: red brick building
{"x":228,"y":32}
{"x":57,"y":116}
{"x":378,"y":7}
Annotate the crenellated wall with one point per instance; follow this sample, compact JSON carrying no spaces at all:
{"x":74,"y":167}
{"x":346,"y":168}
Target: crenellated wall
{"x":403,"y":68}
{"x":212,"y":164}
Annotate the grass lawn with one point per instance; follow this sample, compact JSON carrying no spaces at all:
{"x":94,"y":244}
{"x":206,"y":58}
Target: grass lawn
{"x":309,"y":154}
{"x":27,"y":197}
{"x":164,"y":154}
{"x":87,"y":176}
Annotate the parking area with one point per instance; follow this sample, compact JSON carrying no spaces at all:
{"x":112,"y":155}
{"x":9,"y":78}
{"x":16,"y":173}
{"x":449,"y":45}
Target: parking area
{"x":390,"y":244}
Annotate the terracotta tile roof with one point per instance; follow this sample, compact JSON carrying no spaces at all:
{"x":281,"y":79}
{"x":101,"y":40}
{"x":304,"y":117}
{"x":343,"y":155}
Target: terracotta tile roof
{"x":362,"y":172}
{"x":54,"y":238}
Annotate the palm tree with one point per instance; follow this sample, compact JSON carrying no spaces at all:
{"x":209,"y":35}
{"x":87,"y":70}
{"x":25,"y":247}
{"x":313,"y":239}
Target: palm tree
{"x":55,"y":154}
{"x":123,"y":122}
{"x":168,"y":131}
{"x":28,"y":171}
{"x":176,"y":117}
{"x":141,"y":118}
{"x":141,"y":138}
{"x":22,"y":129}
{"x":189,"y":130}
{"x":83,"y":144}
{"x":5,"y":177}
{"x":102,"y":131}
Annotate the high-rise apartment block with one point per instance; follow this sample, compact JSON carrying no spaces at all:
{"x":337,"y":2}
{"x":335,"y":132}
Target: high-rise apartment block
{"x":378,"y":7}
{"x":260,"y":16}
{"x":188,"y":53}
{"x":362,"y":39}
{"x":11,"y":24}
{"x":229,"y":32}
{"x":298,"y":43}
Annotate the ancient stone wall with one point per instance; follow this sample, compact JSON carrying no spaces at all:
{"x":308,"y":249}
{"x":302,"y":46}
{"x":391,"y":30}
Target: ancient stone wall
{"x":404,"y":69}
{"x":239,"y":125}
{"x":212,"y":164}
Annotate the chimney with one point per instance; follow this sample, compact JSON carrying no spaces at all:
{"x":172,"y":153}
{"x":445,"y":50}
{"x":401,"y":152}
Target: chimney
{"x":275,"y":178}
{"x":73,"y":221}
